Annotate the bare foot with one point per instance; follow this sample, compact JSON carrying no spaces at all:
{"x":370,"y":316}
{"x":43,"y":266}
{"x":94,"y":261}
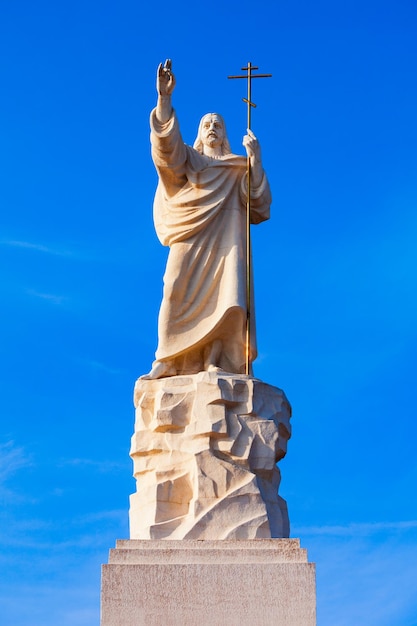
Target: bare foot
{"x":160,"y":369}
{"x":214,"y":368}
{"x":212,"y":355}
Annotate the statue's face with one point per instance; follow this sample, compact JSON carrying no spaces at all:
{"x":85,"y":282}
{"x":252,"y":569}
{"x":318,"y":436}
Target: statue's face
{"x":212,"y":131}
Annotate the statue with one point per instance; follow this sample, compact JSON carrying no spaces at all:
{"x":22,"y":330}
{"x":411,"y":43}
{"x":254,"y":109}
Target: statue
{"x":207,"y":434}
{"x":199,"y":212}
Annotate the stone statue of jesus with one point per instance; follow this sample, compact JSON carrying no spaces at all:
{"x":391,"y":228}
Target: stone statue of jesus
{"x":200,"y":213}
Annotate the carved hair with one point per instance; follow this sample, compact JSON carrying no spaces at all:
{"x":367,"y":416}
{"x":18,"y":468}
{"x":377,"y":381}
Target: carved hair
{"x":198,"y":144}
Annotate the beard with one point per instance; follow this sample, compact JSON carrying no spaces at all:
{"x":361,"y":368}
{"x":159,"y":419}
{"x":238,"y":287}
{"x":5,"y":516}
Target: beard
{"x":213,"y":141}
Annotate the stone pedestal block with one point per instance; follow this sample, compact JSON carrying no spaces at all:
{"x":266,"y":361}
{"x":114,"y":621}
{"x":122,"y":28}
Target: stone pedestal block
{"x":208,"y":583}
{"x":204,"y":451}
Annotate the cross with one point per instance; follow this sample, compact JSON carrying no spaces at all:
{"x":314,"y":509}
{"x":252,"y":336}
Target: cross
{"x":250,"y":104}
{"x":249,"y":77}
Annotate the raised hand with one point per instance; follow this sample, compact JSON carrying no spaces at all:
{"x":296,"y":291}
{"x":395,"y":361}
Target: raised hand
{"x":165,"y":83}
{"x":165,"y":79}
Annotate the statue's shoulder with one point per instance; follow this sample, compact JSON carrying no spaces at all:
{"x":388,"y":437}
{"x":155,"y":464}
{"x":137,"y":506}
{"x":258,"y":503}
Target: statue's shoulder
{"x":196,"y":160}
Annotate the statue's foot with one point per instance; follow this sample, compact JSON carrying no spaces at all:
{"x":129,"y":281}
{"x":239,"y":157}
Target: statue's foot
{"x":212,"y":354}
{"x":160,"y":369}
{"x":213,"y":368}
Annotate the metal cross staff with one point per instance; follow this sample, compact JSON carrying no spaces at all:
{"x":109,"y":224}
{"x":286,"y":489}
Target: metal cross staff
{"x":250,"y":104}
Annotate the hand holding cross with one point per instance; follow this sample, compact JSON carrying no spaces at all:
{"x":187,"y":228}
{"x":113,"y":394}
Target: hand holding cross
{"x":253,"y":150}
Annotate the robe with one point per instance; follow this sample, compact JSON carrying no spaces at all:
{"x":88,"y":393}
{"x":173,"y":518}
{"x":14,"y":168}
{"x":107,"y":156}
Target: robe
{"x":200,"y":213}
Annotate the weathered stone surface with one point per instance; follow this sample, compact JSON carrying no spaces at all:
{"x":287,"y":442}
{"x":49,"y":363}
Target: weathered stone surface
{"x":205,"y":450}
{"x":209,"y":583}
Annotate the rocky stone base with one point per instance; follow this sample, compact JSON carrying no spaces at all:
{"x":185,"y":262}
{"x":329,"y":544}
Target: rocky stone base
{"x":205,"y":450}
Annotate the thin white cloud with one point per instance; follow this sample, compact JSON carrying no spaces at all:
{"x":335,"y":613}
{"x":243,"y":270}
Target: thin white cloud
{"x":354,"y":529}
{"x":365,"y":581}
{"x":45,"y":534}
{"x":28,"y":245}
{"x":47,"y":296}
{"x":100,"y":466}
{"x":86,"y":542}
{"x":12,"y":459}
{"x":57,"y":597}
{"x":118,"y":515}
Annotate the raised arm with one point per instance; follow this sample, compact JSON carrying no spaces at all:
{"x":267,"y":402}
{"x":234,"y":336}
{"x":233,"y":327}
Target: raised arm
{"x":165,"y":83}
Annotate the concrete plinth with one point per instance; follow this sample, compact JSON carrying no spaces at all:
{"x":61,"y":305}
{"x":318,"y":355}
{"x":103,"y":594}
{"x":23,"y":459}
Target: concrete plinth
{"x":198,"y":583}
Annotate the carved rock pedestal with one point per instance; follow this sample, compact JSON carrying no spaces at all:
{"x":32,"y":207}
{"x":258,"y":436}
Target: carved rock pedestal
{"x":205,"y":450}
{"x":261,"y":582}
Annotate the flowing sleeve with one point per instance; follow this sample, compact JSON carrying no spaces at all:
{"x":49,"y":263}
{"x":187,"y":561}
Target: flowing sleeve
{"x":169,"y":153}
{"x":260,"y":198}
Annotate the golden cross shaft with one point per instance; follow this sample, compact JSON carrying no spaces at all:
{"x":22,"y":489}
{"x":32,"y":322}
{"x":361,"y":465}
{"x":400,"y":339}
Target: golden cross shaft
{"x":250,"y":104}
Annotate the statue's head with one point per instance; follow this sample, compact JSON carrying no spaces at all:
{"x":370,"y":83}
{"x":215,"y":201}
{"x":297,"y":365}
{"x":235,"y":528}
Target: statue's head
{"x":212,"y":133}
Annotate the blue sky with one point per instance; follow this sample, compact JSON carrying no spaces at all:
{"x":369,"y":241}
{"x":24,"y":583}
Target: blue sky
{"x":335,"y":269}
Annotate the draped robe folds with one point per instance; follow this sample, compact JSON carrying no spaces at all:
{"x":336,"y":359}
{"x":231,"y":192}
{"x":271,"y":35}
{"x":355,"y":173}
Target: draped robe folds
{"x":200,"y":213}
